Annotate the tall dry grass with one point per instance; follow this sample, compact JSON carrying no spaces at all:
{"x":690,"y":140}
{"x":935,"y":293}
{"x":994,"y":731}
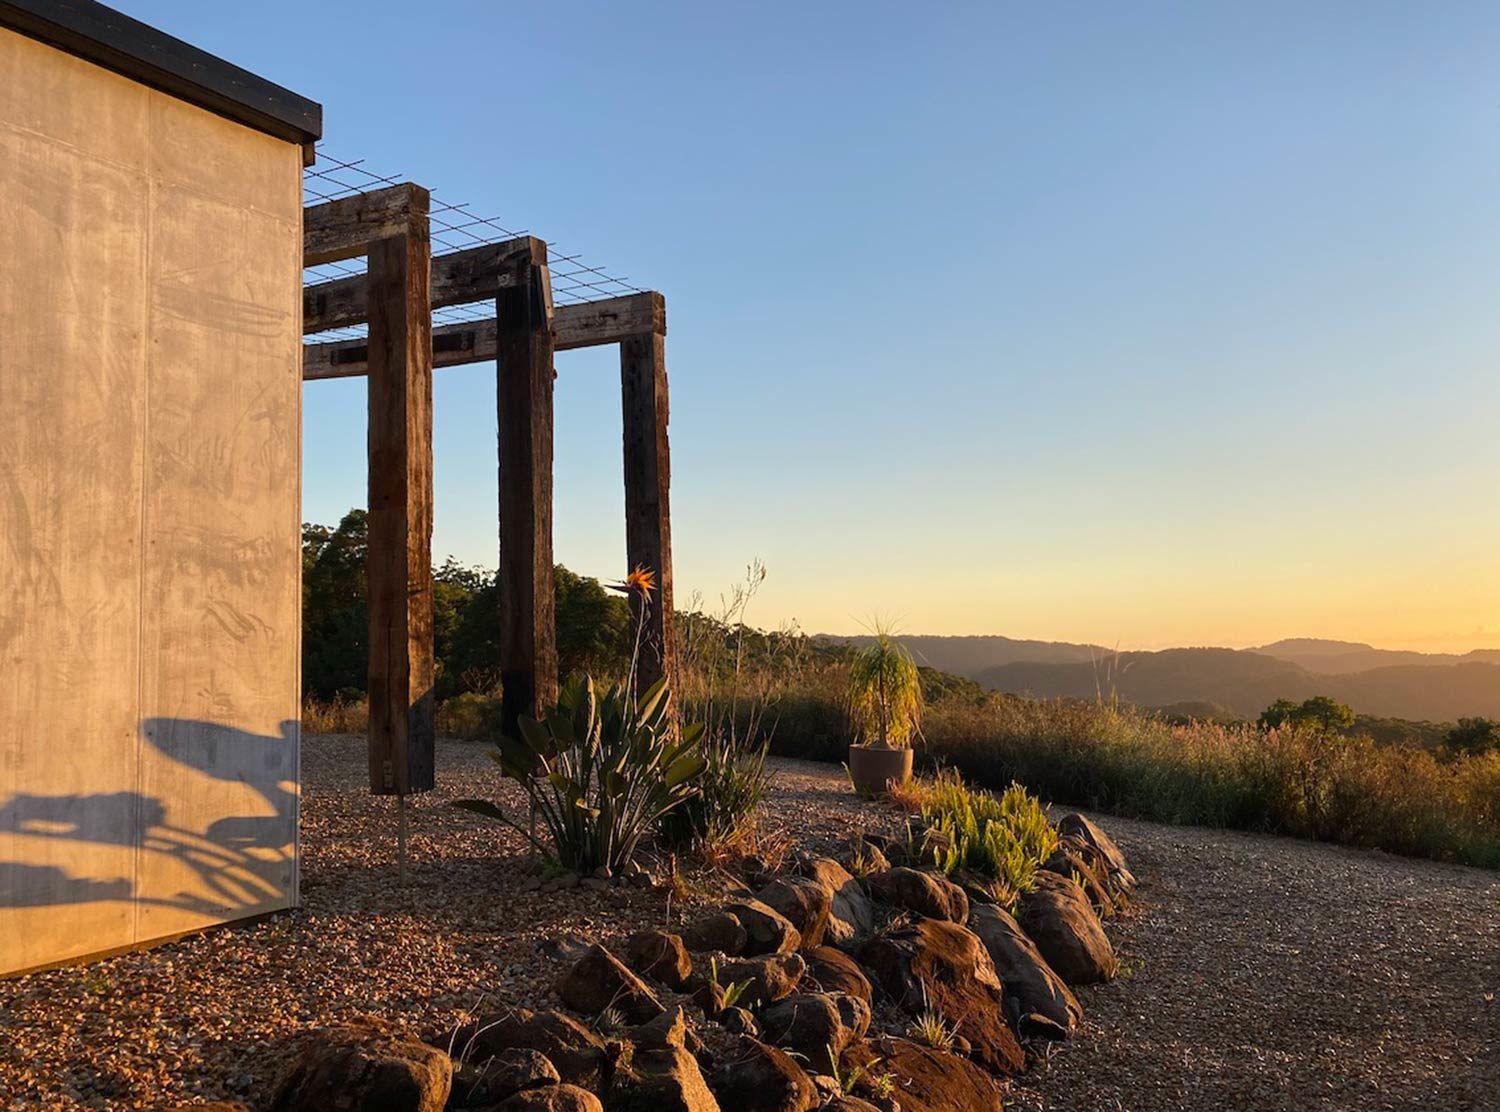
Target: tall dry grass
{"x":1113,"y":758}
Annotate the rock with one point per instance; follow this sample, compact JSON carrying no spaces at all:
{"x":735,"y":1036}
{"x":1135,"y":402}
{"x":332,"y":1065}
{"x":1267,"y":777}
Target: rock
{"x":864,"y":857}
{"x":662,"y":1080}
{"x":1033,"y":1026}
{"x":1031,"y":987}
{"x":553,"y":1098}
{"x":1057,"y":917}
{"x":1119,"y":874}
{"x":830,"y":970}
{"x":770,"y":976}
{"x":478,"y":1084}
{"x":365,"y":1069}
{"x":927,"y":894}
{"x":803,"y":902}
{"x":927,"y":1079}
{"x":1071,"y":863}
{"x":722,"y":932}
{"x":854,"y":1012}
{"x":710,"y":997}
{"x":809,"y":1025}
{"x":759,"y":1078}
{"x":599,"y":980}
{"x":667,"y":1030}
{"x":563,"y":947}
{"x":846,"y":1103}
{"x":658,"y":954}
{"x":578,"y":1053}
{"x":851,"y":915}
{"x":943,"y":967}
{"x":740,"y":1021}
{"x":767,"y":931}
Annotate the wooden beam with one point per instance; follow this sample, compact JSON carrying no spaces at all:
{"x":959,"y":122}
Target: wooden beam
{"x":347,"y":227}
{"x":528,"y":634}
{"x":648,"y":480}
{"x":453,"y":345}
{"x":475,"y":274}
{"x":399,"y":560}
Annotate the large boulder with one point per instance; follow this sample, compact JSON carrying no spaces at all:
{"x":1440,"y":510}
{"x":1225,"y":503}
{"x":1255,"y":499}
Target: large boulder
{"x":811,"y":1024}
{"x":768,"y":977}
{"x":579,"y":1054}
{"x":664,"y":1079}
{"x":479,"y":1084}
{"x":1056,"y":915}
{"x":803,"y":902}
{"x":552,"y":1098}
{"x":364,"y":1069}
{"x":767,"y":931}
{"x":1031,"y":987}
{"x":927,"y":894}
{"x":926,"y":1079}
{"x":599,"y":980}
{"x":934,"y":965}
{"x":830,"y":970}
{"x":851,"y":916}
{"x":721,"y":932}
{"x":1119,"y":874}
{"x":754,"y":1077}
{"x":662,"y":955}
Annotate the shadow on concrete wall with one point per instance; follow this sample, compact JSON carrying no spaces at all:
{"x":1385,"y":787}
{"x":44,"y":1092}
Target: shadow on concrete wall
{"x":239,"y":863}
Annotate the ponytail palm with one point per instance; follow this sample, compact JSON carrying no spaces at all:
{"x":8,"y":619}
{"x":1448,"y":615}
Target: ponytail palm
{"x":885,"y":693}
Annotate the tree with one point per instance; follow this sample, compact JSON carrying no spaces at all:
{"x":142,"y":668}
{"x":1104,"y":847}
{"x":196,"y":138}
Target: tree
{"x":1280,"y":713}
{"x":1324,"y":715}
{"x":335,"y":618}
{"x":1473,"y":737}
{"x":1320,"y":713}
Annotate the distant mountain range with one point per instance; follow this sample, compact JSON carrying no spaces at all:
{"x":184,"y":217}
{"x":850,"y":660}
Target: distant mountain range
{"x":1386,"y":683}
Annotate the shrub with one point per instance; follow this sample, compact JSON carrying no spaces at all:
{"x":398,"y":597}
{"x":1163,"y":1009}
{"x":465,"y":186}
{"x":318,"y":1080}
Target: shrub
{"x":599,"y":772}
{"x":471,"y":716}
{"x":885,"y":693}
{"x":721,"y":812}
{"x":1005,"y":839}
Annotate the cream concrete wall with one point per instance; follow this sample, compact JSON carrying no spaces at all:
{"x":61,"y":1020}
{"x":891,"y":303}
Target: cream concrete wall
{"x":150,"y":412}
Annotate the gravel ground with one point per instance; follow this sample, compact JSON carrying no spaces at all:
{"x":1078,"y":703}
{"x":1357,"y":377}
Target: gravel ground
{"x":1268,"y":973}
{"x":1259,"y":972}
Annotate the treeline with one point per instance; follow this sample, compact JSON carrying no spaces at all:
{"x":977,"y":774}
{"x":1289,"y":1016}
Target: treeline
{"x":593,"y":624}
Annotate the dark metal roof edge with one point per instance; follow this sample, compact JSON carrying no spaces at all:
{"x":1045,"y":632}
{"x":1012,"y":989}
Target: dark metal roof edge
{"x":111,"y":39}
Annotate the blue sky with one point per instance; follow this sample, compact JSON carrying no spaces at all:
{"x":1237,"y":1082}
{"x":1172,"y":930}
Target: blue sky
{"x":1138,"y":324}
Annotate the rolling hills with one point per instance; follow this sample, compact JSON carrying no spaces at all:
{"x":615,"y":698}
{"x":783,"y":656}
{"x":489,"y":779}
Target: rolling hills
{"x":1386,"y":683}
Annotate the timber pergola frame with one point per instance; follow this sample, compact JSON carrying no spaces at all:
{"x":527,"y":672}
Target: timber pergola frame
{"x":396,"y":298}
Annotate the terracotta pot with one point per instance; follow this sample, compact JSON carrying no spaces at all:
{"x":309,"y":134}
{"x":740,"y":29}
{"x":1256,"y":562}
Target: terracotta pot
{"x":876,"y":770}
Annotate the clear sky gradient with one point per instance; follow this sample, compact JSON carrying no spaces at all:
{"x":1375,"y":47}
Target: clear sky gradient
{"x":1143,"y":324}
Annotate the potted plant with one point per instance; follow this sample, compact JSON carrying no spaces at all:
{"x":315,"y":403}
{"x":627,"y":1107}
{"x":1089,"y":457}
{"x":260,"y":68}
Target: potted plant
{"x":885,"y":703}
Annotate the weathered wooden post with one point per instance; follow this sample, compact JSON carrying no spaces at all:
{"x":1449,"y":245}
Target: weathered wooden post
{"x":399,"y":560}
{"x":524,"y":350}
{"x":648,"y":479}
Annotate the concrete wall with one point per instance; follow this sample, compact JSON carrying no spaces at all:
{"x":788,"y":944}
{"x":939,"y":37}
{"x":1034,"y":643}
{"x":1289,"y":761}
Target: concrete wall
{"x":150,"y":395}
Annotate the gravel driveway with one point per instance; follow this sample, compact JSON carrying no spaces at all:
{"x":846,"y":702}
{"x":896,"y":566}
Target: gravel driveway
{"x":1259,"y":972}
{"x":1268,"y":973}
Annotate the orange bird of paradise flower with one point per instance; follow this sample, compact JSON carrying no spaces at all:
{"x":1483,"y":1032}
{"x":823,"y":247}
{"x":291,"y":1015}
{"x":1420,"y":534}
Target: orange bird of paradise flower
{"x":641,"y":580}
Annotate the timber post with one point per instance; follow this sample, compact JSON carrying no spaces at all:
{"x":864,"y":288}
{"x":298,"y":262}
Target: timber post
{"x":523,"y":400}
{"x":399,"y":557}
{"x":648,"y":479}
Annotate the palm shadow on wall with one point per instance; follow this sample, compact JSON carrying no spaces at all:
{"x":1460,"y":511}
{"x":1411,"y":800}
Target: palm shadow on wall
{"x":239,"y":862}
